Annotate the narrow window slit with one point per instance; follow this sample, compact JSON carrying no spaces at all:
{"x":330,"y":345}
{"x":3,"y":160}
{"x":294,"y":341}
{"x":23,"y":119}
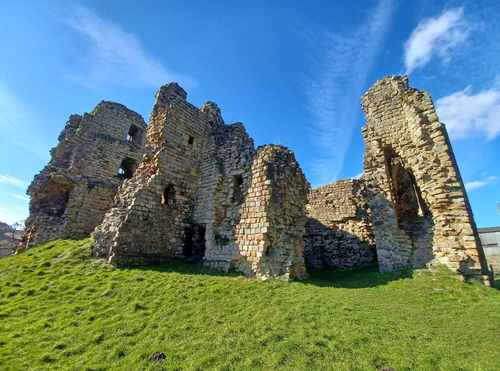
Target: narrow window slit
{"x":168,"y":196}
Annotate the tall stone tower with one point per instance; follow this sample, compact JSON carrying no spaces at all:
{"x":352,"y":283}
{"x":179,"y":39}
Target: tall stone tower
{"x":95,"y":154}
{"x":419,"y":208}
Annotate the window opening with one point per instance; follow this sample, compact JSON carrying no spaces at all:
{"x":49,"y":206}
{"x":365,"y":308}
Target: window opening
{"x":168,"y":196}
{"x":190,"y":140}
{"x":133,"y":134}
{"x":238,"y":189}
{"x":126,"y":169}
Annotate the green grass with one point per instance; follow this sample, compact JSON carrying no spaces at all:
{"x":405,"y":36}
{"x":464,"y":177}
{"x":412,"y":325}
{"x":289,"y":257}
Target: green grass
{"x":59,"y":309}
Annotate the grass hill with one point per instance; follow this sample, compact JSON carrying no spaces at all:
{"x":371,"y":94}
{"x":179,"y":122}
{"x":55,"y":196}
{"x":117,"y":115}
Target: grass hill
{"x":9,"y":238}
{"x":60,"y":309}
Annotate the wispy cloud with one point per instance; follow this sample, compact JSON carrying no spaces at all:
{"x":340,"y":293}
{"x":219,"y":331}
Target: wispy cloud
{"x":21,"y":197}
{"x":12,"y":180}
{"x":334,"y":88}
{"x":469,"y":186}
{"x":17,"y":124}
{"x":436,"y":37}
{"x":117,"y":56}
{"x":466,"y":114}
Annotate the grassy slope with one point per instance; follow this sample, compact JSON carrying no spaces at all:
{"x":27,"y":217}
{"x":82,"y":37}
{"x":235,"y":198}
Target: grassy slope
{"x":60,"y":309}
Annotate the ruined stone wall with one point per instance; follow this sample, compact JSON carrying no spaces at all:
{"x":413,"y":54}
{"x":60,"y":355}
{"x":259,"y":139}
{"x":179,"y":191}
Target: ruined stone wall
{"x":420,"y":212}
{"x":151,"y":212}
{"x":199,"y":191}
{"x":269,"y":234}
{"x":198,"y":188}
{"x":224,"y":180}
{"x":71,"y":194}
{"x":338,"y":230}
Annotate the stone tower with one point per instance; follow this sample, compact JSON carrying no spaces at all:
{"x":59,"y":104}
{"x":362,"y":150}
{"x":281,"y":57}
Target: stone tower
{"x":203,"y":194}
{"x":96,"y":152}
{"x":419,"y":208}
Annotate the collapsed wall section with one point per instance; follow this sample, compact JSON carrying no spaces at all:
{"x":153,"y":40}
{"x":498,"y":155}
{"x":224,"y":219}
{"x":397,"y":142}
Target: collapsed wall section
{"x":148,"y":220}
{"x":420,"y":211}
{"x":96,"y":152}
{"x":203,"y":195}
{"x":224,"y":180}
{"x":338,"y":230}
{"x":269,"y":233}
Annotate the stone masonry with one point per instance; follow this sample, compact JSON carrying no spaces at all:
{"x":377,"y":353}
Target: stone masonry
{"x":272,"y":223}
{"x":96,"y":152}
{"x":339,"y":231}
{"x":204,"y":195}
{"x":196,"y":189}
{"x":419,"y":208}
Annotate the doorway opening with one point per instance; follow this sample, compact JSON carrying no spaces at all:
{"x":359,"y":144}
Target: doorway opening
{"x":194,"y":243}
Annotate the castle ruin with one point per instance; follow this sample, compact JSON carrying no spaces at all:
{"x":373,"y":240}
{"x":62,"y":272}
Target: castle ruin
{"x":190,"y":187}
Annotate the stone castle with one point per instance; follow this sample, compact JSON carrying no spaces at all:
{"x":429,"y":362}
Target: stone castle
{"x":187,"y":186}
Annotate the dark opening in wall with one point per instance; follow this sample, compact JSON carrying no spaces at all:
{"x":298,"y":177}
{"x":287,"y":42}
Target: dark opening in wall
{"x":190,"y":140}
{"x":133,"y":134}
{"x":168,"y":197}
{"x":413,"y":214}
{"x":54,"y":200}
{"x":238,"y":189}
{"x":194,"y":243}
{"x":126,"y":169}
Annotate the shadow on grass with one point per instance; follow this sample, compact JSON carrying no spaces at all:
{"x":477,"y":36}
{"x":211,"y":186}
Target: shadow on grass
{"x":357,"y":278}
{"x":183,"y":268}
{"x":367,"y":276}
{"x":496,"y":282}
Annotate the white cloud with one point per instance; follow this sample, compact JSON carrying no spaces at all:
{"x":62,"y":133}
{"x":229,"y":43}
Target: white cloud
{"x":436,"y":37}
{"x":334,"y":88}
{"x":21,"y":197}
{"x":12,"y":180}
{"x":469,"y":186}
{"x":117,"y":56}
{"x":466,"y":114}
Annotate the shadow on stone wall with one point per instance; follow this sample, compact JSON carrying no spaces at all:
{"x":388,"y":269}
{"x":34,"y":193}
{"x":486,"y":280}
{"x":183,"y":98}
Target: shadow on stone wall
{"x":332,"y":248}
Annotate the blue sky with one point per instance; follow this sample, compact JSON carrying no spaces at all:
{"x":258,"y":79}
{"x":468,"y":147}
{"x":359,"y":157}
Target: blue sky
{"x":292,"y":71}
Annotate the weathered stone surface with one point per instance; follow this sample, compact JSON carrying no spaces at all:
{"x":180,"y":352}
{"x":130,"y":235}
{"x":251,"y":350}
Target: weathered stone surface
{"x":338,"y":230}
{"x":202,"y":195}
{"x":71,"y":194}
{"x":195,"y":188}
{"x":419,"y":208}
{"x":272,"y":221}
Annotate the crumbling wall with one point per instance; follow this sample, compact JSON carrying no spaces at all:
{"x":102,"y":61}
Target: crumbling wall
{"x":203,"y":194}
{"x":420,"y":212}
{"x":184,"y":192}
{"x":200,"y":184}
{"x":338,"y":230}
{"x":71,"y":194}
{"x":148,"y":220}
{"x":224,"y":180}
{"x":269,"y":234}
